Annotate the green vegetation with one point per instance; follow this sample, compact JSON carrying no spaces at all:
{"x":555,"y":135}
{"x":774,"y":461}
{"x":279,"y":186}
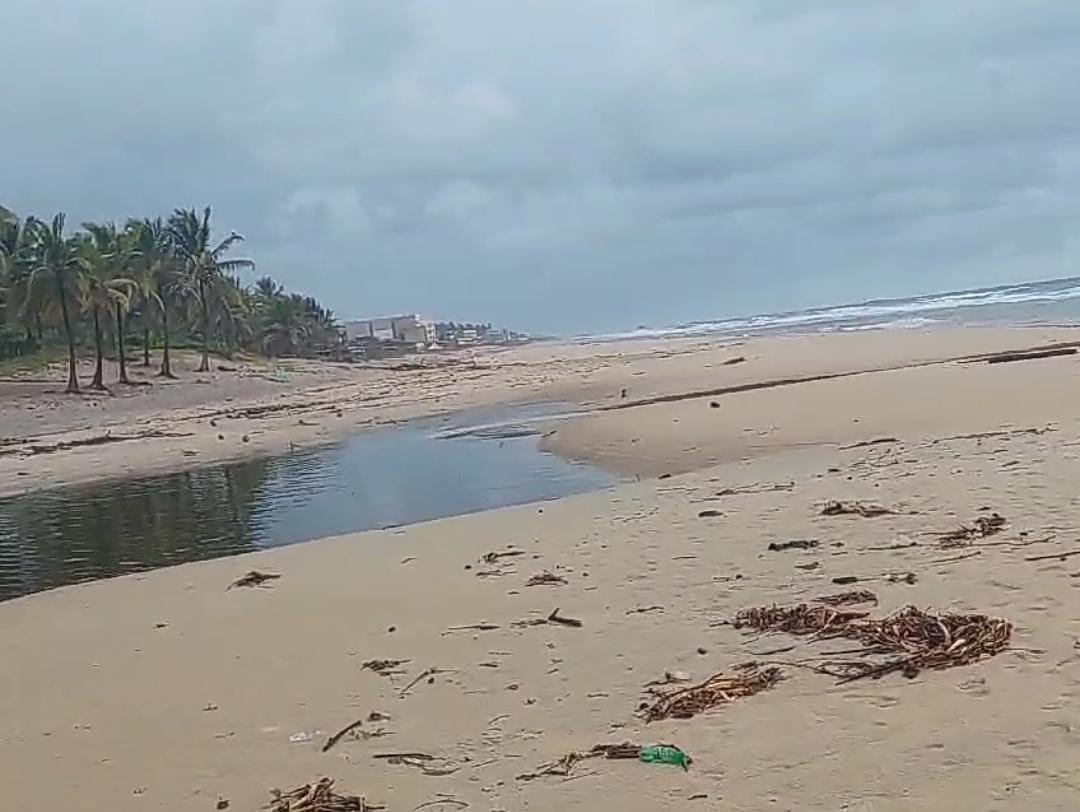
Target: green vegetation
{"x":169,"y":280}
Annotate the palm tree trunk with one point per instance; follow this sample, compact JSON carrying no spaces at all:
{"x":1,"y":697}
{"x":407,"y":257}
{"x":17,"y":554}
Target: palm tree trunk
{"x":120,"y":344}
{"x":73,"y":377}
{"x":205,"y":365}
{"x":146,"y":346}
{"x":166,"y":368}
{"x":97,"y":383}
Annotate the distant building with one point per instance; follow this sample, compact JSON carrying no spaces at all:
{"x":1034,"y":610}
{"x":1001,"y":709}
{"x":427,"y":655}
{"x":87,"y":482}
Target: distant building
{"x":411,"y":329}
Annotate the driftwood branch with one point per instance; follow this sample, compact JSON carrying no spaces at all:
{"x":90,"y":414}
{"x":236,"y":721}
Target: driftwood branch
{"x":341,"y":734}
{"x":555,"y":617}
{"x":1049,"y":556}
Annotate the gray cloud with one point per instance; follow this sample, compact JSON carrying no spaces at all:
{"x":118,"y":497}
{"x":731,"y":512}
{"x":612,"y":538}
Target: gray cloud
{"x":561,"y":165}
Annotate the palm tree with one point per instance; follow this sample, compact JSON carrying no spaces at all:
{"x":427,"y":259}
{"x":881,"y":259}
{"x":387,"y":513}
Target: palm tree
{"x":233,"y":311}
{"x":115,"y":253}
{"x":57,"y":278}
{"x":266,"y":290}
{"x":157,"y":276}
{"x":104,"y":290}
{"x":286,"y":326}
{"x":203,"y":268}
{"x":14,"y":274}
{"x":9,"y":241}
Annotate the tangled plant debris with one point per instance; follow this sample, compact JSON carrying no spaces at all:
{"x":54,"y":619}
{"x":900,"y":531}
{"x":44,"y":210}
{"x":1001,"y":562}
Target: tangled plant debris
{"x":317,"y":797}
{"x":627,"y":750}
{"x":909,"y":640}
{"x":821,"y":621}
{"x":384,"y":668}
{"x":982,"y":527}
{"x":254,"y":578}
{"x":717,"y":690}
{"x":864,"y":509}
{"x":796,"y":544}
{"x":545,"y":577}
{"x":847,"y":598}
{"x":554,"y":619}
{"x":425,"y":762}
{"x":494,"y":556}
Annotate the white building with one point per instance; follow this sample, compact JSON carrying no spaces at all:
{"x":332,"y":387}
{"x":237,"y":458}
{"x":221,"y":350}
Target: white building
{"x":412,"y":329}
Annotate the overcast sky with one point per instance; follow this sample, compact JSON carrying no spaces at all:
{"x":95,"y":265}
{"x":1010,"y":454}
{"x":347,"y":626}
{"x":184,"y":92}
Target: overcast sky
{"x":566,"y":165}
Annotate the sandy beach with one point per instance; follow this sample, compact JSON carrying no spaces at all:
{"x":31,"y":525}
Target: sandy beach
{"x":168,"y":690}
{"x":259,"y":407}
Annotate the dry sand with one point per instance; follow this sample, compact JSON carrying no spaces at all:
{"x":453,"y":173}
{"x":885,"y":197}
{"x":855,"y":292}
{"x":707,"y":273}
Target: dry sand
{"x":168,"y":691}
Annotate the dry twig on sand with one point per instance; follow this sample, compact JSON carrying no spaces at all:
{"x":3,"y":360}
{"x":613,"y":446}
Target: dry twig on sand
{"x":847,"y":598}
{"x":982,"y":527}
{"x":384,"y":668}
{"x":555,"y":617}
{"x":1049,"y":556}
{"x":564,"y":765}
{"x":493,"y":557}
{"x":254,"y":578}
{"x":796,"y":544}
{"x":422,"y":761}
{"x":346,"y":730}
{"x":317,"y":797}
{"x":757,"y":487}
{"x":472,"y":627}
{"x":545,"y":577}
{"x":868,"y":443}
{"x":428,"y":674}
{"x":719,"y":689}
{"x":864,"y":509}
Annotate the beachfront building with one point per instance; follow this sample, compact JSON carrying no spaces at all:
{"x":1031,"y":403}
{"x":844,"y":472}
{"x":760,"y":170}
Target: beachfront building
{"x":411,"y":329}
{"x":389,"y":336}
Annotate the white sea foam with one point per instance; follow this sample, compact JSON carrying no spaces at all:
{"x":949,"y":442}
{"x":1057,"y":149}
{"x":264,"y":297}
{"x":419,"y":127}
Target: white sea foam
{"x":879,"y":314}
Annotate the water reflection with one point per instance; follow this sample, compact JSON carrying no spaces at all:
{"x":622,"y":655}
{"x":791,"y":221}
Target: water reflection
{"x":377,"y":479}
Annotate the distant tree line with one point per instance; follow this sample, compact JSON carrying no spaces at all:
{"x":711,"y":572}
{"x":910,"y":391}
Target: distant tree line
{"x":166,"y":282}
{"x":448,"y":330}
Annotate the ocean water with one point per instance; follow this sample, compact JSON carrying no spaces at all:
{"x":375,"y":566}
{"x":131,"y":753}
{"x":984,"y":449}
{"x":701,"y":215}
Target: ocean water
{"x":1053,"y":302}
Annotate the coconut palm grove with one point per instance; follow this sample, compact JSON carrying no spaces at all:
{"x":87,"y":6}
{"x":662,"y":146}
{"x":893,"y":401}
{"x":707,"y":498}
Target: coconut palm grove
{"x":132,"y":293}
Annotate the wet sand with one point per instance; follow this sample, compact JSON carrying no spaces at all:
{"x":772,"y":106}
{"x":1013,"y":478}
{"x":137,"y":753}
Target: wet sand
{"x":169,"y":691}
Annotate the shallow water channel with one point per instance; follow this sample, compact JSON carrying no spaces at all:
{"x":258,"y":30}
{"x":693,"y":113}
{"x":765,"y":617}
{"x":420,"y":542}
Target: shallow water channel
{"x":380,"y":478}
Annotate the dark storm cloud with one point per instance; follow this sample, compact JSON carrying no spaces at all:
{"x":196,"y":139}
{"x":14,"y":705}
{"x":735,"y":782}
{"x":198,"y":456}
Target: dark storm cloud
{"x":563,"y":165}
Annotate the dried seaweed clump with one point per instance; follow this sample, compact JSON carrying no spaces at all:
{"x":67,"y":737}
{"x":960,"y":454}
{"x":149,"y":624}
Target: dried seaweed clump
{"x":927,"y":640}
{"x":982,"y":527}
{"x":719,"y":689}
{"x":864,"y":509}
{"x":918,"y":638}
{"x":564,"y":765}
{"x":800,"y":620}
{"x":847,"y":598}
{"x":317,"y":797}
